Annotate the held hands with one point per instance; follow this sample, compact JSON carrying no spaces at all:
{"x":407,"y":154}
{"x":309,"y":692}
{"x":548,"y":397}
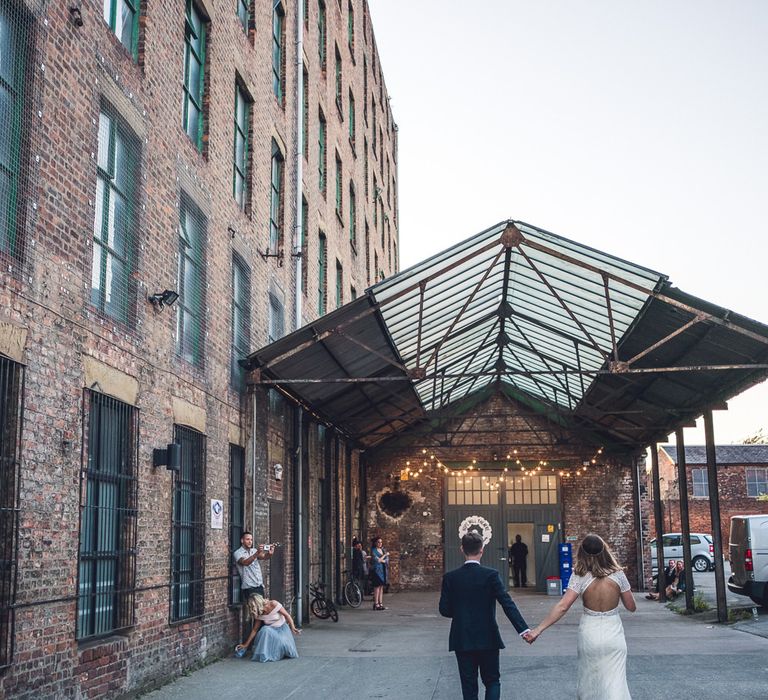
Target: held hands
{"x":532,"y":635}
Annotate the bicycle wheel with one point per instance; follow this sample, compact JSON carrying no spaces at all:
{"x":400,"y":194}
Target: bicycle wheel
{"x":319,"y":608}
{"x":334,"y":614}
{"x":352,"y":594}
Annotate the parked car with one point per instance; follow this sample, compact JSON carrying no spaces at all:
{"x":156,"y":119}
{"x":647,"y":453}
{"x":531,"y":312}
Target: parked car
{"x":702,"y":550}
{"x":748,"y":548}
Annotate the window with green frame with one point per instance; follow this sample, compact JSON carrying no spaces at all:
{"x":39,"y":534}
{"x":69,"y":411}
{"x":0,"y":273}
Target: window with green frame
{"x":339,"y":186}
{"x":276,"y":200}
{"x":322,"y":137}
{"x":115,"y":225}
{"x":351,"y":29}
{"x":241,"y":157}
{"x":304,"y":223}
{"x":322,"y":274}
{"x":191,"y":282}
{"x":107,"y":552}
{"x":351,"y":118}
{"x":305,"y":113}
{"x":241,"y":319}
{"x":122,"y":16}
{"x":352,"y":215}
{"x":194,"y":73}
{"x":15,"y":30}
{"x":278,"y":51}
{"x":339,"y":284}
{"x":339,"y":83}
{"x":244,"y":13}
{"x":365,"y":90}
{"x":322,"y":34}
{"x":236,"y":515}
{"x":188,"y":527}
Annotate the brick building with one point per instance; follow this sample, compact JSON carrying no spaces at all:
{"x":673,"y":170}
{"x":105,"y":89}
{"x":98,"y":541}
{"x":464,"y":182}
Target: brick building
{"x":742,"y":477}
{"x":241,"y":155}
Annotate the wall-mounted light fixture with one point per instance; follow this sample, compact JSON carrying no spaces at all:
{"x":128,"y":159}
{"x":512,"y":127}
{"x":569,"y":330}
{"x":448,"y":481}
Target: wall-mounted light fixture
{"x":278,"y":472}
{"x":170,"y":457}
{"x":76,"y":15}
{"x":164,"y":298}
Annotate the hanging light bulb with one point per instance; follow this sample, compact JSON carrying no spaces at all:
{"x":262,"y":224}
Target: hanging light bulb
{"x":423,"y":452}
{"x":474,"y":461}
{"x":509,"y":456}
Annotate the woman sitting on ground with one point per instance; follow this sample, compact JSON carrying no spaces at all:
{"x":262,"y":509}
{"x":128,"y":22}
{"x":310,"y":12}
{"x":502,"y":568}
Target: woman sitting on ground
{"x":669,"y":577}
{"x":678,"y":582}
{"x":274,"y":638}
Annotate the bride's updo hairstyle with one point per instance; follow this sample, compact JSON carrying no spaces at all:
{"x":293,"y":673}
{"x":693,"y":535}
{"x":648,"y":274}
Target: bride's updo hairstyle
{"x":595,"y":557}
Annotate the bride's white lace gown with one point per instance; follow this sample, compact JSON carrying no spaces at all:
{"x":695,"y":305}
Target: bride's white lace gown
{"x":602,"y":649}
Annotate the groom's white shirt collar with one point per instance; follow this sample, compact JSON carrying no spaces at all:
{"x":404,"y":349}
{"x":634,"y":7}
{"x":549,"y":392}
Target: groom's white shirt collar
{"x":471,"y":561}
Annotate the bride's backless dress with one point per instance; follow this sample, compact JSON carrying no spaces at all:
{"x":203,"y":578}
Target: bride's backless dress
{"x":602,"y":649}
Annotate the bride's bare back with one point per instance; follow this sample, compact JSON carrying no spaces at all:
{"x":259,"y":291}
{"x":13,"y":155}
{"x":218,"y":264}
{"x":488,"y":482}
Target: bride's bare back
{"x":601,"y":595}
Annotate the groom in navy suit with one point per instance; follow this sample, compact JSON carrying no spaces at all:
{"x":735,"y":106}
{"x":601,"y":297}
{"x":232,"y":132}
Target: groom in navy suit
{"x":469,"y":596}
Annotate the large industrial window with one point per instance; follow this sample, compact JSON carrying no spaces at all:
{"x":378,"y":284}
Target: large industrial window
{"x":757,"y":482}
{"x":107,"y":554}
{"x":305,"y":112}
{"x":236,"y":514}
{"x":244,"y":13}
{"x":241,"y":157}
{"x":322,"y":274}
{"x":276,"y":200}
{"x":115,"y":225}
{"x":700,"y":483}
{"x":351,"y":29}
{"x":339,"y":83}
{"x":194,"y":73}
{"x":339,"y":284}
{"x":322,"y":133}
{"x":15,"y":31}
{"x":11,"y":406}
{"x":351,"y":118}
{"x":352,"y":215}
{"x":278,"y":51}
{"x":122,"y":16}
{"x":472,"y":490}
{"x":531,"y":490}
{"x":339,"y":186}
{"x":191,"y":282}
{"x":304,"y":222}
{"x":241,"y":318}
{"x":188,"y":546}
{"x":322,"y":34}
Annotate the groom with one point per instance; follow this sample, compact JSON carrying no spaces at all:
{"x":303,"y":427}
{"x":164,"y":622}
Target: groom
{"x":469,"y":597}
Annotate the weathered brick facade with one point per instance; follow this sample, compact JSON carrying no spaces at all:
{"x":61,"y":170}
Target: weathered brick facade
{"x":48,"y":324}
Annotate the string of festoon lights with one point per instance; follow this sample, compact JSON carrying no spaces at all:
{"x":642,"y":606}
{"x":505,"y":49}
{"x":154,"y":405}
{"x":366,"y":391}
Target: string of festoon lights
{"x":428,"y":462}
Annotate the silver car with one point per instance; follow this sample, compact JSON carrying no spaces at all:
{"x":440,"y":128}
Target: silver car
{"x":702,"y":550}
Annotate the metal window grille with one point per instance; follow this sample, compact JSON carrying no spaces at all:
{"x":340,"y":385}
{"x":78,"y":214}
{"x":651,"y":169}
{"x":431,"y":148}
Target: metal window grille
{"x":241,"y":318}
{"x":322,"y":34}
{"x":278,"y":51}
{"x":194,"y":73}
{"x":276,"y":200}
{"x":757,"y":482}
{"x":15,"y":45}
{"x":352,"y":215}
{"x":322,"y":275}
{"x":108,"y":510}
{"x":191,"y":282}
{"x":188,"y":547}
{"x":122,"y":16}
{"x":11,"y":412}
{"x":322,"y":182}
{"x":236,"y":514}
{"x":115,"y":224}
{"x":241,"y":158}
{"x":700,"y":483}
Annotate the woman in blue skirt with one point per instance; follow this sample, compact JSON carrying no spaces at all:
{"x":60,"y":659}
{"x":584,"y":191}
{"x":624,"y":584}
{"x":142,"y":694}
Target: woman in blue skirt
{"x":273,"y":628}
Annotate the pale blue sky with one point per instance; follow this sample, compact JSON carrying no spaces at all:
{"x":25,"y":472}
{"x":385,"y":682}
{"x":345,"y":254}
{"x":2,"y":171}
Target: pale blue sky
{"x":638,"y":128}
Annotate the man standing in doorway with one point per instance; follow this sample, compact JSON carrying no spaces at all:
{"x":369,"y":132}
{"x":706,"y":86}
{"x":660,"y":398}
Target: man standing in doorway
{"x":247,"y":562}
{"x":518,"y":553}
{"x":469,"y":597}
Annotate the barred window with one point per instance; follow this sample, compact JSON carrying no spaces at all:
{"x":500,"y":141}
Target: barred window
{"x":339,"y":186}
{"x":11,"y":408}
{"x":188,"y":547}
{"x":757,"y":482}
{"x":276,"y":200}
{"x":107,"y":554}
{"x":278,"y":51}
{"x":352,"y":215}
{"x":194,"y":73}
{"x":122,"y":16}
{"x":242,"y":156}
{"x":322,"y":133}
{"x":322,"y":274}
{"x":241,"y":318}
{"x":191,"y":282}
{"x":115,"y":225}
{"x":236,"y":514}
{"x":339,"y":83}
{"x":700,"y":483}
{"x":351,"y":118}
{"x":15,"y":30}
{"x":322,"y":34}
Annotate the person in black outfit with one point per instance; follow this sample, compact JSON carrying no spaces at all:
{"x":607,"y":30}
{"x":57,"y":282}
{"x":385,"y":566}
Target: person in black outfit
{"x":517,"y":556}
{"x":468,"y":597}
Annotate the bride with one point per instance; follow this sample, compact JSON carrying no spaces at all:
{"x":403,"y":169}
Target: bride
{"x":602,"y":649}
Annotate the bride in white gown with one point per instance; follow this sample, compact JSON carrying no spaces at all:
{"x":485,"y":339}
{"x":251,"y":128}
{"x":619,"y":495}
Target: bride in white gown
{"x":602,"y":649}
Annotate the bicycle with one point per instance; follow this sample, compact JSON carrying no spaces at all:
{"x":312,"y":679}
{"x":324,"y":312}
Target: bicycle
{"x":321,"y":606}
{"x":353,"y":593}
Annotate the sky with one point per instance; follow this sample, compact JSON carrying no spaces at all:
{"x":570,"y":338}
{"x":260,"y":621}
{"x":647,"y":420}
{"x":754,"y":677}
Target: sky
{"x":637,"y":128}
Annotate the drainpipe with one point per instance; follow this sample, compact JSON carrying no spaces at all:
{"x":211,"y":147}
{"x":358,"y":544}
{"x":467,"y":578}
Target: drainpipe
{"x":298,"y":574}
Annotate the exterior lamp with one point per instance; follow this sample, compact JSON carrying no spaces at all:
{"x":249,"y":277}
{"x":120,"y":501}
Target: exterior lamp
{"x":167,"y":297}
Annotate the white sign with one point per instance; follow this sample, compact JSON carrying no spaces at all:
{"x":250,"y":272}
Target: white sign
{"x":217,"y":514}
{"x":545,"y":537}
{"x":474,"y":523}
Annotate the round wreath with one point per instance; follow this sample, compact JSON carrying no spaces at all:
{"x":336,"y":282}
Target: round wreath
{"x":475,"y":522}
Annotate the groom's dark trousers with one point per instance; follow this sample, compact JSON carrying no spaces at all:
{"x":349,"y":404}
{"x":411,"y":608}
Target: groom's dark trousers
{"x":468,"y":597}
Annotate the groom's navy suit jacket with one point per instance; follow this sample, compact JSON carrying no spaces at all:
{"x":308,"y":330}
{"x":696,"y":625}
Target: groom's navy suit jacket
{"x":469,"y":596}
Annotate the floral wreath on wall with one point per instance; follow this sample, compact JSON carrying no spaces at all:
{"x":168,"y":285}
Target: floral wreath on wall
{"x":475,"y":523}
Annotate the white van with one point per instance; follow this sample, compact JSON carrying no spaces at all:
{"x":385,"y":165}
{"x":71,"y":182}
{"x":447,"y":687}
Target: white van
{"x":748,"y":547}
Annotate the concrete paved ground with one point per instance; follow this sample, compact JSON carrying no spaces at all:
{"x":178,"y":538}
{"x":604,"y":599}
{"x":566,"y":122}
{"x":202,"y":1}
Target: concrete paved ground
{"x":402,"y":653}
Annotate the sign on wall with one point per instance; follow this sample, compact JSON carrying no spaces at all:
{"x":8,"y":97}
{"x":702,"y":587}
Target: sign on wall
{"x":217,"y":514}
